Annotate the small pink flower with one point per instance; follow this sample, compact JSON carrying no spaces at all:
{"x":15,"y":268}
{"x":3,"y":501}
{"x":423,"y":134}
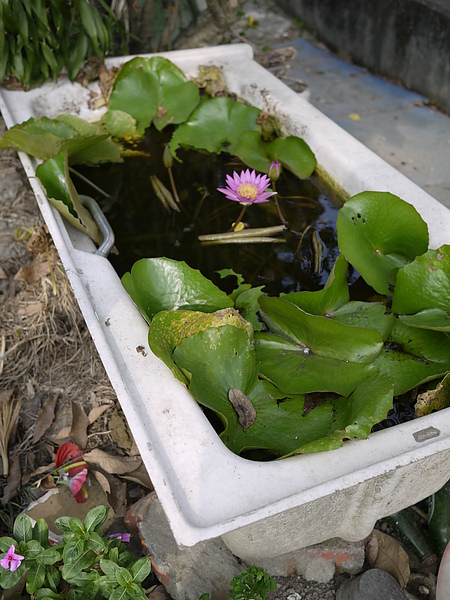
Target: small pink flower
{"x":124,"y":537}
{"x":11,"y":560}
{"x":247,"y":188}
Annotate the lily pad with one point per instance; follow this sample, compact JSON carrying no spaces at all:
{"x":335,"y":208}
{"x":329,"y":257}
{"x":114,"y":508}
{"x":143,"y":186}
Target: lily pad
{"x":424,"y":287}
{"x":309,"y":353}
{"x":46,"y":138}
{"x":356,"y":415}
{"x":333,"y":295}
{"x":54,"y":176}
{"x":378,"y":233}
{"x":156,"y":284}
{"x":368,"y":315}
{"x":169,"y":328}
{"x":414,"y":356}
{"x":294,"y":154}
{"x":279,"y":426}
{"x":215,"y":126}
{"x":153,"y":90}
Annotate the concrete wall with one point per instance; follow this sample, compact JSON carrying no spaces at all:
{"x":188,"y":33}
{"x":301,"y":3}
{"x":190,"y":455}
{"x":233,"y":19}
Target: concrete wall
{"x":406,"y":40}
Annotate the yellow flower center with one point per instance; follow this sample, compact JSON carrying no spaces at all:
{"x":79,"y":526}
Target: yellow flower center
{"x":248,"y":190}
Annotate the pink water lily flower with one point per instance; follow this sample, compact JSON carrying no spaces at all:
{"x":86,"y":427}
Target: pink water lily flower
{"x":247,"y":188}
{"x":11,"y":560}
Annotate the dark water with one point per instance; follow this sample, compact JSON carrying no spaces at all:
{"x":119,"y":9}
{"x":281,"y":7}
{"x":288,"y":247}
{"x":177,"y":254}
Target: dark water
{"x":143,"y":227}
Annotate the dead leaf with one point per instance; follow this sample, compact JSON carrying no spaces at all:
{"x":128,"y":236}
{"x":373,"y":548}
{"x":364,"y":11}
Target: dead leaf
{"x":3,"y":275}
{"x":30,"y":309}
{"x":63,"y":434}
{"x":436,"y":399}
{"x":119,"y":429}
{"x":32,"y":273}
{"x":117,"y":499}
{"x":140,"y":476}
{"x":243,"y":406}
{"x":45,"y":418}
{"x":386,"y":553}
{"x":47,"y":483}
{"x":96,"y":412}
{"x":116,"y":465}
{"x":80,"y":422}
{"x":13,"y":481}
{"x":103,"y":480}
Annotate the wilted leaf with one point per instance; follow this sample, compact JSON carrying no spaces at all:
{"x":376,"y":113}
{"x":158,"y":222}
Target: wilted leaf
{"x":103,"y":481}
{"x":31,"y":273}
{"x":13,"y":482}
{"x":243,"y":406}
{"x":436,"y":399}
{"x":97,"y":412}
{"x":3,"y":275}
{"x":30,"y":309}
{"x":140,"y":475}
{"x":116,"y":465}
{"x":386,"y":553}
{"x":80,"y":423}
{"x":45,"y":418}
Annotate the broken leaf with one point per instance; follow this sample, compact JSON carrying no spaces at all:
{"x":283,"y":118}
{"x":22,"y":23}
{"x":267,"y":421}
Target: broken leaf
{"x":116,"y":465}
{"x":14,"y":480}
{"x":80,"y":423}
{"x":386,"y":553}
{"x":97,"y":412}
{"x":45,"y":418}
{"x":433,"y":399}
{"x":9,"y":413}
{"x":243,"y":406}
{"x":34,"y":272}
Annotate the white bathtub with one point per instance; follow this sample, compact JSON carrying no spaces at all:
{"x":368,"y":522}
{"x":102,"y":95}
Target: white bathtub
{"x":260,"y":509}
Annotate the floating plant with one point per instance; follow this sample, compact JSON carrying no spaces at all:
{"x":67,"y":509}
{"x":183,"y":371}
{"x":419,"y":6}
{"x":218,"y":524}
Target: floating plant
{"x":284,"y":370}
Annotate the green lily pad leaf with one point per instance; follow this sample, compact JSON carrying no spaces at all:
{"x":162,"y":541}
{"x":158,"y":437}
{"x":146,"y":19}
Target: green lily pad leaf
{"x":251,"y":150}
{"x":54,"y":176}
{"x":279,"y":426}
{"x":215,"y":126}
{"x":46,"y":138}
{"x":378,"y":233}
{"x":248,"y":305}
{"x":156,"y":284}
{"x":309,"y":353}
{"x":368,"y":315}
{"x":153,"y":90}
{"x":319,"y":336}
{"x":294,"y":154}
{"x":119,"y":123}
{"x":414,"y":356}
{"x":430,"y":318}
{"x":432,"y":400}
{"x":169,"y":328}
{"x":333,"y":295}
{"x":357,"y":414}
{"x":425,"y":284}
{"x":294,"y":370}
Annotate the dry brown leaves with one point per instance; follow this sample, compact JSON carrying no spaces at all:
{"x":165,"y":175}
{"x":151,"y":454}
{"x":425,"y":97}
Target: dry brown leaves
{"x":386,"y":553}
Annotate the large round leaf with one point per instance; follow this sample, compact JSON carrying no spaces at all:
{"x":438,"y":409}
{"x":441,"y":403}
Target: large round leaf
{"x":294,"y":154}
{"x":333,"y":295}
{"x":215,"y":126}
{"x":425,"y":285}
{"x":295,"y":370}
{"x":379,"y":233}
{"x":319,"y":336}
{"x":414,"y":356}
{"x":169,"y":328}
{"x":157,"y":284}
{"x":153,"y":89}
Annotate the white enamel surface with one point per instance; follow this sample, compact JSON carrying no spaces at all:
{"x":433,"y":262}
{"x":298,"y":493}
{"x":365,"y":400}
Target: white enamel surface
{"x":206,"y":490}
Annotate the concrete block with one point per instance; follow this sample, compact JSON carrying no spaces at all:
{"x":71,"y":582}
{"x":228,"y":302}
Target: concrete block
{"x":186,"y":572}
{"x":319,"y":562}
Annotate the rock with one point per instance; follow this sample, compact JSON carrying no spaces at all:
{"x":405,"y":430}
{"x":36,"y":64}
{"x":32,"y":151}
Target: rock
{"x":371,"y":585}
{"x":187,"y":572}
